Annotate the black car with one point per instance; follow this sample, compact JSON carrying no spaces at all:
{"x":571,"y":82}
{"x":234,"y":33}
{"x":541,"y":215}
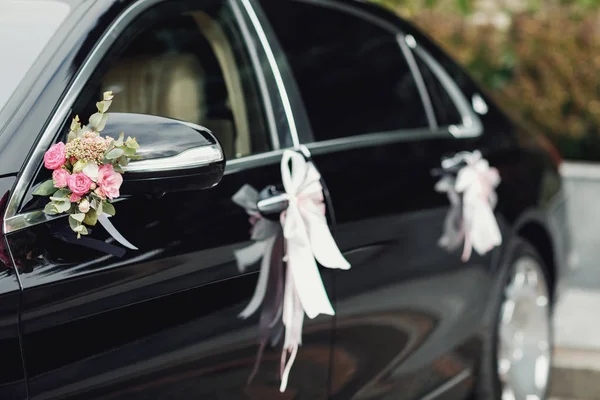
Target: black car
{"x":370,"y":100}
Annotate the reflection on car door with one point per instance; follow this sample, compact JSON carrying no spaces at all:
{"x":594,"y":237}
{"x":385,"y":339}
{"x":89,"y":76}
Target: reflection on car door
{"x":407,"y":312}
{"x":162,"y":322}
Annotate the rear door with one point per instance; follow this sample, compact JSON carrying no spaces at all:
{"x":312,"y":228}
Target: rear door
{"x":161,"y":322}
{"x":407,"y":312}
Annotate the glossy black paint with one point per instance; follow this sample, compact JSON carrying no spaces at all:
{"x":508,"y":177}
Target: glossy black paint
{"x":159,"y":320}
{"x":162,"y":322}
{"x":12,"y":371}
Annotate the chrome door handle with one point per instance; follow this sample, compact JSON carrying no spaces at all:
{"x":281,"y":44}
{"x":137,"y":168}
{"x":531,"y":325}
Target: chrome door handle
{"x":272,"y":203}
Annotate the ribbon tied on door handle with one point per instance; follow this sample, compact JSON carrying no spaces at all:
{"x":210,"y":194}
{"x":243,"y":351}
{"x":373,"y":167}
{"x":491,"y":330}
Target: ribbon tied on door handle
{"x":306,"y":241}
{"x":472,"y":201}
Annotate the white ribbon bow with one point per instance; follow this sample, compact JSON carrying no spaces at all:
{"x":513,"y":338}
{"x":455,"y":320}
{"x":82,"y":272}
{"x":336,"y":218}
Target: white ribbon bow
{"x":478,"y":226}
{"x":307,"y":237}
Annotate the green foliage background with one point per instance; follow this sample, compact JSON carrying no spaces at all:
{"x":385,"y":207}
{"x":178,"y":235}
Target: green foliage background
{"x":544,"y":66}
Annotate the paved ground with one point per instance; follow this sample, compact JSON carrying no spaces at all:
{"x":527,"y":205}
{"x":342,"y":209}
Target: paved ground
{"x":576,"y":372}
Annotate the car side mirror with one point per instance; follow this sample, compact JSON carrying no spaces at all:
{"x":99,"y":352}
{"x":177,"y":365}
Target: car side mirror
{"x":173,"y":155}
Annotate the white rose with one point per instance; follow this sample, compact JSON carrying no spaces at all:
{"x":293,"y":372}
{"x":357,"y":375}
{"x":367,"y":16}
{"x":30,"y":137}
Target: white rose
{"x":84,"y":206}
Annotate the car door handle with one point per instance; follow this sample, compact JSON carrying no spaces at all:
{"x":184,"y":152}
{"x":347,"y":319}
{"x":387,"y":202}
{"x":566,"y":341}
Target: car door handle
{"x":272,"y":202}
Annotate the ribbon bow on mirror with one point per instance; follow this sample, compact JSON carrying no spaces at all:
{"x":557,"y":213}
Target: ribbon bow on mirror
{"x":304,"y":239}
{"x":472,"y":201}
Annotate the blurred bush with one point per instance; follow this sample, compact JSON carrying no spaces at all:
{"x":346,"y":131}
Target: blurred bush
{"x":543,"y":65}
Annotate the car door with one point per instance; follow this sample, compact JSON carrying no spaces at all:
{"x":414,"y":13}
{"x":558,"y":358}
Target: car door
{"x":162,"y":321}
{"x":408,"y":312}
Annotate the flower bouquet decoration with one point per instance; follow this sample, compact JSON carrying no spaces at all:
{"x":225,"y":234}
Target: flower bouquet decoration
{"x":87,"y":173}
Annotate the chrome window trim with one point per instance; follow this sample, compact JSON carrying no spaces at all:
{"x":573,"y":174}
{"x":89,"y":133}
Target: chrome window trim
{"x":275,"y":68}
{"x":262,"y":83}
{"x":373,"y":139}
{"x":14,"y":221}
{"x":471,"y":124}
{"x":416,"y":73}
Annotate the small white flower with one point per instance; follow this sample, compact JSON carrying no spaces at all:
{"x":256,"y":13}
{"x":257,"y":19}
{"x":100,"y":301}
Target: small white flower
{"x":84,"y":206}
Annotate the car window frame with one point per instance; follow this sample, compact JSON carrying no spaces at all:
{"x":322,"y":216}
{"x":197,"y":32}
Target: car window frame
{"x":308,"y":137}
{"x":15,"y":220}
{"x":405,"y":42}
{"x":471,"y":125}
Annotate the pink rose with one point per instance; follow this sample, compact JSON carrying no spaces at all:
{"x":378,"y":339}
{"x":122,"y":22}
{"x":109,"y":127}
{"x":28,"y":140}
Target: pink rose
{"x":109,"y":181}
{"x":74,"y":198}
{"x":60,"y":177}
{"x":55,"y":157}
{"x":79,"y":183}
{"x":100,"y":193}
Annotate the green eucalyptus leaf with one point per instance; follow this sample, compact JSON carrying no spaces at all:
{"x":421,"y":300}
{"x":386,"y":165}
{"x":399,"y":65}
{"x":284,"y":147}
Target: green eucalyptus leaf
{"x":72,"y":135}
{"x":63,"y":206}
{"x":103,"y":105}
{"x":83,"y":230}
{"x":79,"y":217}
{"x":45,"y":189}
{"x":108,"y":95}
{"x":50,"y":209}
{"x":115,"y":153}
{"x":132,"y":143}
{"x":61,"y":193}
{"x":73,"y":223}
{"x":119,"y":141}
{"x":91,"y":217}
{"x":98,"y":121}
{"x":108,"y":208}
{"x":123,"y":160}
{"x":99,"y":207}
{"x":75,"y":124}
{"x":129,"y":151}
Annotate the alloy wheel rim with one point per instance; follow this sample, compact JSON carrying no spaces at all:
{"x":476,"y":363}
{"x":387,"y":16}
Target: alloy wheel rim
{"x":524,"y":334}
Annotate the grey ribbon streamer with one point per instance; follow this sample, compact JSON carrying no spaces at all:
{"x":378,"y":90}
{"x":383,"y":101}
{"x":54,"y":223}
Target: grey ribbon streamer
{"x":112,"y":231}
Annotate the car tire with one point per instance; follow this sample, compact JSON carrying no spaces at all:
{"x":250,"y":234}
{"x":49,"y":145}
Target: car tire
{"x":490,"y":382}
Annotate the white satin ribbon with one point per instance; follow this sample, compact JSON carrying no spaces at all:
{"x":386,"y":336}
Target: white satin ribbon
{"x":112,"y":231}
{"x":307,"y":238}
{"x":307,"y":233}
{"x":476,"y":182}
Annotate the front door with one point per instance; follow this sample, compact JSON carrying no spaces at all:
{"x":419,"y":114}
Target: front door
{"x":407,"y":312}
{"x":162,"y":322}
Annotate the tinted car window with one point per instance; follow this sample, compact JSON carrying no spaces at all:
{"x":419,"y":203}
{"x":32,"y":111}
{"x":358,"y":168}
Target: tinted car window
{"x":351,"y":73}
{"x":190,"y":66}
{"x":446,"y":112}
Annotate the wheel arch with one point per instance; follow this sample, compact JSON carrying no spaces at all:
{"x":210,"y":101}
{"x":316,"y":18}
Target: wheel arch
{"x":532,"y":228}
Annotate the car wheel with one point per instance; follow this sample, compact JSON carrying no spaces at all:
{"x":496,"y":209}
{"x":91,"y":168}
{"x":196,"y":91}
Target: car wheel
{"x":516,"y":363}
